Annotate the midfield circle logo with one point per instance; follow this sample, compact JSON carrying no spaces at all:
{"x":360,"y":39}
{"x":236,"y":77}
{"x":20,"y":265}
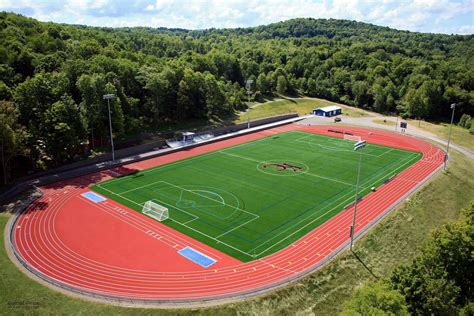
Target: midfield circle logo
{"x":283,"y":166}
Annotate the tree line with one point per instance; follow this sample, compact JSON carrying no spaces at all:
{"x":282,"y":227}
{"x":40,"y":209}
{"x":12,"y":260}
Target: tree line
{"x":440,"y":281}
{"x":53,"y":77}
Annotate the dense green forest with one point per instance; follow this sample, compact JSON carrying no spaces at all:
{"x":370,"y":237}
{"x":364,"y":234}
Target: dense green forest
{"x":53,"y":77}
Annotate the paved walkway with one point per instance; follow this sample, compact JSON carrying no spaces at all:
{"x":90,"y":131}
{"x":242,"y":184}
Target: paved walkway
{"x":368,"y":121}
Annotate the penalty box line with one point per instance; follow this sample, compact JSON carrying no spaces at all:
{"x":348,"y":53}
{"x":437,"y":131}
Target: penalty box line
{"x":331,"y":148}
{"x":255,"y":216}
{"x":183,"y":189}
{"x":300,"y":140}
{"x":206,"y":197}
{"x":197,"y":217}
{"x":183,"y":224}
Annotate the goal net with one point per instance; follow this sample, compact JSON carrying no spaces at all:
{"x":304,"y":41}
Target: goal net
{"x":156,"y":211}
{"x":352,"y":137}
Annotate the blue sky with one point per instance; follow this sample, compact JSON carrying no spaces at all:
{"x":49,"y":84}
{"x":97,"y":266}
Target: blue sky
{"x":437,"y":16}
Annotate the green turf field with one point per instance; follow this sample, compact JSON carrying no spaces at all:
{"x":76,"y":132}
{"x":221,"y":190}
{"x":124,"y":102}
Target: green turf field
{"x":256,"y":198}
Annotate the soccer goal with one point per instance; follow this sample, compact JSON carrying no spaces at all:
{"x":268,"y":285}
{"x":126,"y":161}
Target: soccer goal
{"x":155,"y":210}
{"x":352,"y":137}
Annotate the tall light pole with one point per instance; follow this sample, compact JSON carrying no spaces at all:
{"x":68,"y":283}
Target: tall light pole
{"x":108,"y":97}
{"x":453,"y":107}
{"x":248,"y":86}
{"x":357,"y":146}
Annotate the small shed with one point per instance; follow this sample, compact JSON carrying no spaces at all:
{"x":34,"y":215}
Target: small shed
{"x":328,"y":111}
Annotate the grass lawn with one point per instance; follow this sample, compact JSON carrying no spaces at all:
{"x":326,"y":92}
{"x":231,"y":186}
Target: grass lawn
{"x":391,"y":243}
{"x":256,"y":198}
{"x":459,"y":135}
{"x":387,"y":122}
{"x":302,"y":106}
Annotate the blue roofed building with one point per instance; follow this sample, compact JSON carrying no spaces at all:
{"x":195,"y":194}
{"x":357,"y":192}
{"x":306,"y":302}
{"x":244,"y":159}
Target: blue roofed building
{"x":328,"y":111}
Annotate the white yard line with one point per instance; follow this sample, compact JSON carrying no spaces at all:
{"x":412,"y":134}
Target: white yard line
{"x":238,"y":156}
{"x":140,"y":187}
{"x":243,"y":224}
{"x":385,"y":152}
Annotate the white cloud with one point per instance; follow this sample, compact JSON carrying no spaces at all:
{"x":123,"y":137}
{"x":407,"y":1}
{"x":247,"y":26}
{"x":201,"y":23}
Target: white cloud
{"x":160,"y":4}
{"x":77,"y":6}
{"x":450,"y":16}
{"x":465,"y":29}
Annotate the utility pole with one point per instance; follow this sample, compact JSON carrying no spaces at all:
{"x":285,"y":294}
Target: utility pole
{"x":108,"y":97}
{"x":357,"y":147}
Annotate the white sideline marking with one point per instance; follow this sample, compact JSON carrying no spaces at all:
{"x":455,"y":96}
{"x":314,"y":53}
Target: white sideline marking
{"x":386,"y":152}
{"x":192,"y":220}
{"x":244,"y":223}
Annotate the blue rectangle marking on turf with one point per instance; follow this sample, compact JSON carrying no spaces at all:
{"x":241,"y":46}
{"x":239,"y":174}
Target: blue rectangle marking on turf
{"x":197,"y":257}
{"x":94,"y":197}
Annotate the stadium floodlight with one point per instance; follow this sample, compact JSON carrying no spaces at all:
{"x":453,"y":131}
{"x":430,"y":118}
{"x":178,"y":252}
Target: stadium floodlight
{"x":453,"y":107}
{"x":357,"y":147}
{"x":108,"y":97}
{"x":248,"y":86}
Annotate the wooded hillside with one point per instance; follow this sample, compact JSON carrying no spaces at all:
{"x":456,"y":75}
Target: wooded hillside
{"x":53,"y":77}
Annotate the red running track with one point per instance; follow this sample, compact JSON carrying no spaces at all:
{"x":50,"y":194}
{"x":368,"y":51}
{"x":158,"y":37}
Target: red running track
{"x":110,"y":251}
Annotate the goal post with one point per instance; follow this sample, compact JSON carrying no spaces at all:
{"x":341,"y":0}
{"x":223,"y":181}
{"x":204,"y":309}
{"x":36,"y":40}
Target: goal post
{"x":352,"y":138}
{"x":155,"y":211}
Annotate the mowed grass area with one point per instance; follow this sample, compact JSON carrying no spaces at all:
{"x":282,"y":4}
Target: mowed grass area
{"x":256,"y":198}
{"x":386,"y":122}
{"x":459,"y":135}
{"x":302,"y":106}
